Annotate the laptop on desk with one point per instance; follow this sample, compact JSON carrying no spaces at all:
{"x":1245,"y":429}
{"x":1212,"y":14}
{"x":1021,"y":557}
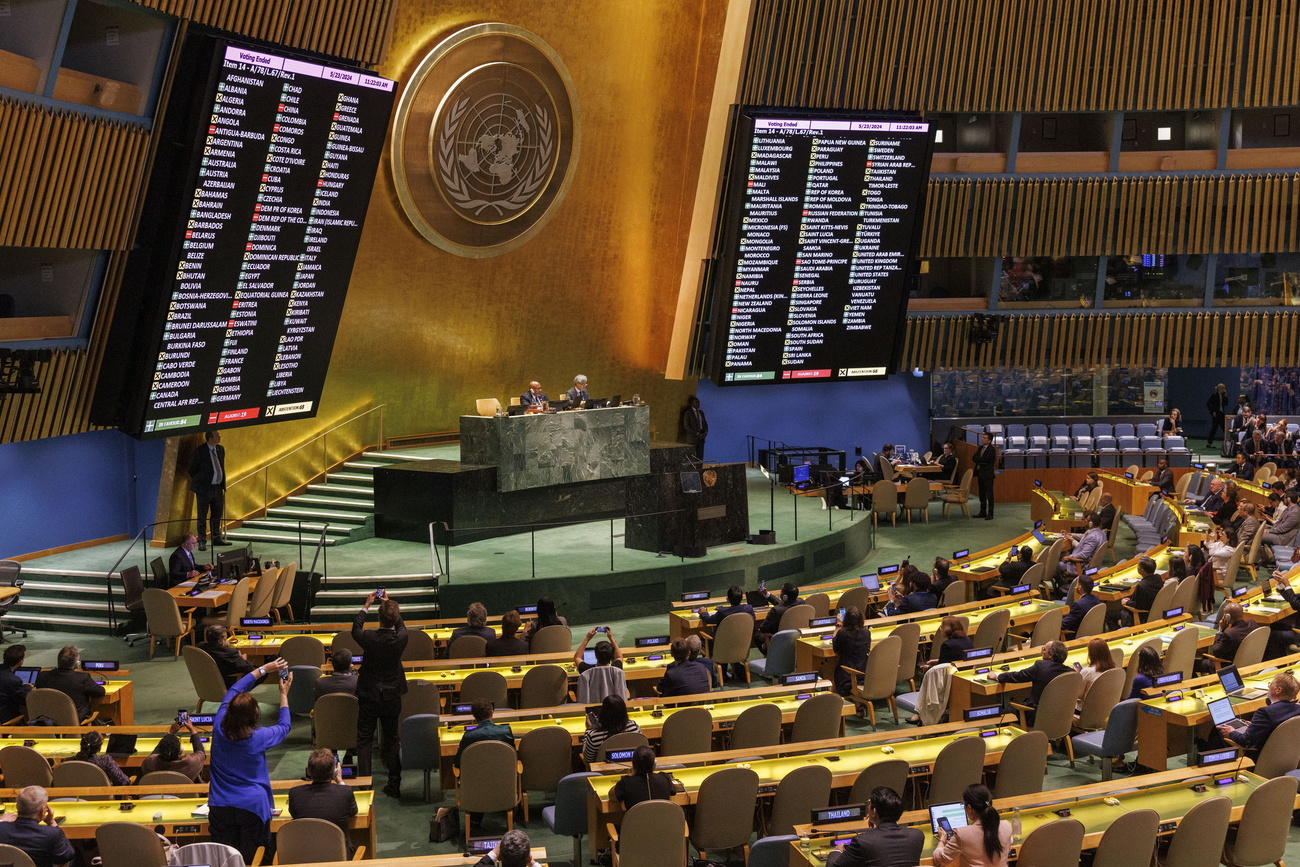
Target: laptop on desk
{"x":28,"y":673}
{"x":1222,"y":714}
{"x":1230,"y":680}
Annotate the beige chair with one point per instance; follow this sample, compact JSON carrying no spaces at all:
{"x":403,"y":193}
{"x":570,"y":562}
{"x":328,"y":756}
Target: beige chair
{"x":305,"y":841}
{"x":1093,"y":622}
{"x":1281,"y":753}
{"x":56,"y":705}
{"x":916,"y":498}
{"x":957,"y":766}
{"x":909,"y":650}
{"x":1228,"y":580}
{"x":165,"y":620}
{"x":891,"y":773}
{"x":1180,"y":654}
{"x":1033,"y":577}
{"x":1022,"y":766}
{"x":1130,"y":670}
{"x":259,"y":605}
{"x":466,"y":647}
{"x":796,"y":617}
{"x":1106,"y":692}
{"x":649,"y":834}
{"x":23,"y":766}
{"x":859,"y":597}
{"x":880,"y":679}
{"x":1186,"y":596}
{"x":284,"y":591}
{"x":552,"y":639}
{"x":732,"y":640}
{"x":73,"y":774}
{"x":421,"y":696}
{"x":884,"y":501}
{"x":1198,"y":840}
{"x":620,"y":741}
{"x":209,"y":685}
{"x":687,"y":731}
{"x":236,"y":610}
{"x":1056,"y":844}
{"x":544,"y":759}
{"x":1050,"y":559}
{"x":1130,"y":840}
{"x":757,"y":726}
{"x":992,"y":630}
{"x":127,"y":844}
{"x":953,"y":594}
{"x":487,"y":781}
{"x":420,"y":647}
{"x":543,"y":686}
{"x":1251,"y":650}
{"x":801,"y":791}
{"x":821,"y":604}
{"x":12,"y":856}
{"x":343,"y":640}
{"x":819,"y":718}
{"x":303,"y":650}
{"x":490,"y":685}
{"x":164,"y":778}
{"x":958,"y":496}
{"x":487,"y":406}
{"x":334,"y":721}
{"x":1048,"y":627}
{"x":1265,"y":824}
{"x":724,"y":811}
{"x":1054,"y":716}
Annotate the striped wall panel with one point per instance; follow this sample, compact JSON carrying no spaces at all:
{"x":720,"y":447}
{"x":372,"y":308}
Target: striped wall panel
{"x":57,"y":410}
{"x":1193,"y":339}
{"x":1024,"y":55}
{"x":70,"y":179}
{"x":1096,"y":216}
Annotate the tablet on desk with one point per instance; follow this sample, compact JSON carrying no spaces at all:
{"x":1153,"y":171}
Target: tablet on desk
{"x":955,"y":814}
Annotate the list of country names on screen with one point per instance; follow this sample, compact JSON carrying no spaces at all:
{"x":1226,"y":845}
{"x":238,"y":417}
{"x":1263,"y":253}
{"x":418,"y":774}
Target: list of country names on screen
{"x":828,"y":212}
{"x":289,"y":152}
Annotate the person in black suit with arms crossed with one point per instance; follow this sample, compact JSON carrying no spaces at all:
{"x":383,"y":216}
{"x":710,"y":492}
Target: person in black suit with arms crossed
{"x":182,"y":566}
{"x":381,"y":683}
{"x":986,"y":464}
{"x":695,"y":426}
{"x":208,"y":482}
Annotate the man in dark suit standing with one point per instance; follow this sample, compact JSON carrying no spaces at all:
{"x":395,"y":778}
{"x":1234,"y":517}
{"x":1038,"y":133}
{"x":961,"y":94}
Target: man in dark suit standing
{"x":208,"y":482}
{"x":182,"y":566}
{"x":325,"y":797}
{"x":885,"y":843}
{"x":986,"y":464}
{"x":1218,"y":407}
{"x":695,"y":426}
{"x":381,"y":683}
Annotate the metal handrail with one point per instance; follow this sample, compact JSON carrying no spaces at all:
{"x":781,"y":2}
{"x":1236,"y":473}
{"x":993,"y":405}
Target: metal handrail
{"x":311,"y":587}
{"x":144,"y":549}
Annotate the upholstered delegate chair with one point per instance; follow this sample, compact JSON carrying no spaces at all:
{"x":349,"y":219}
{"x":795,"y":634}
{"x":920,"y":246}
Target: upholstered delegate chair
{"x":23,"y":766}
{"x":208,"y":683}
{"x":419,"y":748}
{"x":12,"y":856}
{"x":72,"y":774}
{"x":490,"y":685}
{"x":1261,"y":835}
{"x":284,"y":591}
{"x":1198,"y":839}
{"x":1022,"y":766}
{"x":544,"y":759}
{"x":567,"y":817}
{"x":236,"y":609}
{"x":487,"y":781}
{"x":732,"y":640}
{"x":757,"y":726}
{"x":880,"y":678}
{"x":164,"y":619}
{"x":891,"y":773}
{"x":303,"y":650}
{"x":958,"y":765}
{"x":126,"y":844}
{"x":419,"y":647}
{"x":467,"y":647}
{"x":1056,"y":844}
{"x":1113,"y":742}
{"x":687,"y":731}
{"x":335,"y":721}
{"x":543,"y":686}
{"x":552,"y":639}
{"x":724,"y":811}
{"x":55,"y":705}
{"x":799,"y":793}
{"x":648,"y":836}
{"x":1130,"y":840}
{"x":1054,"y":715}
{"x":304,"y":841}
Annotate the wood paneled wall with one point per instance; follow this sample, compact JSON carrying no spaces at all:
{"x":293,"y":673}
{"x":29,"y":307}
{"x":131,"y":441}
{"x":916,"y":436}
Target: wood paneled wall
{"x":68,"y":180}
{"x":56,"y":411}
{"x":1200,"y":339}
{"x":1098,"y":216}
{"x":354,"y":29}
{"x":1024,"y":55}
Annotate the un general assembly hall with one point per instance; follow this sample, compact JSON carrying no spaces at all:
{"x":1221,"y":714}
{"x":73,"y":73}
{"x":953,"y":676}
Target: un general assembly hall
{"x":678,"y":433}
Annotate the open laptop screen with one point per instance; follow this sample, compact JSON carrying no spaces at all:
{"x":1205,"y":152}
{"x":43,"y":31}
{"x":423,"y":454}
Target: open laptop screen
{"x":1221,"y":711}
{"x":1229,"y":679}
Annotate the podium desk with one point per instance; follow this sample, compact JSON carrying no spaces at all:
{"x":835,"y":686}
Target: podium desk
{"x":1131,"y":495}
{"x":982,"y":567}
{"x":1113,"y":584}
{"x":1059,"y":512}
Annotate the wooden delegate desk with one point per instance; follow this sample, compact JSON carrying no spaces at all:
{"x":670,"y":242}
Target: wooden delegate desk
{"x":1059,"y":512}
{"x":1192,"y":526}
{"x":1170,"y":794}
{"x":649,"y":714}
{"x":813,"y":650}
{"x":1113,"y":584}
{"x":1167,"y":728}
{"x":1131,"y":495}
{"x":217,"y":595}
{"x":683,"y":621}
{"x":844,"y":765}
{"x":179,"y":823}
{"x":982,"y":567}
{"x":58,"y":743}
{"x":971,"y":689}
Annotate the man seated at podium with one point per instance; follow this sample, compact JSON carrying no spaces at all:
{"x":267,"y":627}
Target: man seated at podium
{"x":578,"y":394}
{"x":182,"y":566}
{"x":534,"y":396}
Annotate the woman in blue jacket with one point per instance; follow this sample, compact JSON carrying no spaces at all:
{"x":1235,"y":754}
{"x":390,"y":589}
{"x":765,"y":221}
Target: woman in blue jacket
{"x":239,"y":790}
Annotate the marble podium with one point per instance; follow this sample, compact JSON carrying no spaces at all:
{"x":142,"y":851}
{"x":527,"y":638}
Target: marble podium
{"x":539,"y":451}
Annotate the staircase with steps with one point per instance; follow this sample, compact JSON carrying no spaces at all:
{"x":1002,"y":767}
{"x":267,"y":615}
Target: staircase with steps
{"x":346,"y":501}
{"x":340,"y":598}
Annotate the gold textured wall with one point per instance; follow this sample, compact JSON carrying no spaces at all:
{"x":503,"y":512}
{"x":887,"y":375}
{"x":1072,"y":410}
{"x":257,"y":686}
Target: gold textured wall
{"x":426,"y":332}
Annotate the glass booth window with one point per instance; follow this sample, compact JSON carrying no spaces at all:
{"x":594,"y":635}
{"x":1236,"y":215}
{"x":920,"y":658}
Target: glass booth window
{"x":1154,"y":280}
{"x":1045,"y":282}
{"x":1093,"y":391}
{"x":1257,"y":280}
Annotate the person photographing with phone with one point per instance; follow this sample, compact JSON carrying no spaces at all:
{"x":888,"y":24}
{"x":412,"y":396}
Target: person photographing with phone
{"x":239,"y":791}
{"x":604,"y":676}
{"x":381,"y":683}
{"x":167,"y":756}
